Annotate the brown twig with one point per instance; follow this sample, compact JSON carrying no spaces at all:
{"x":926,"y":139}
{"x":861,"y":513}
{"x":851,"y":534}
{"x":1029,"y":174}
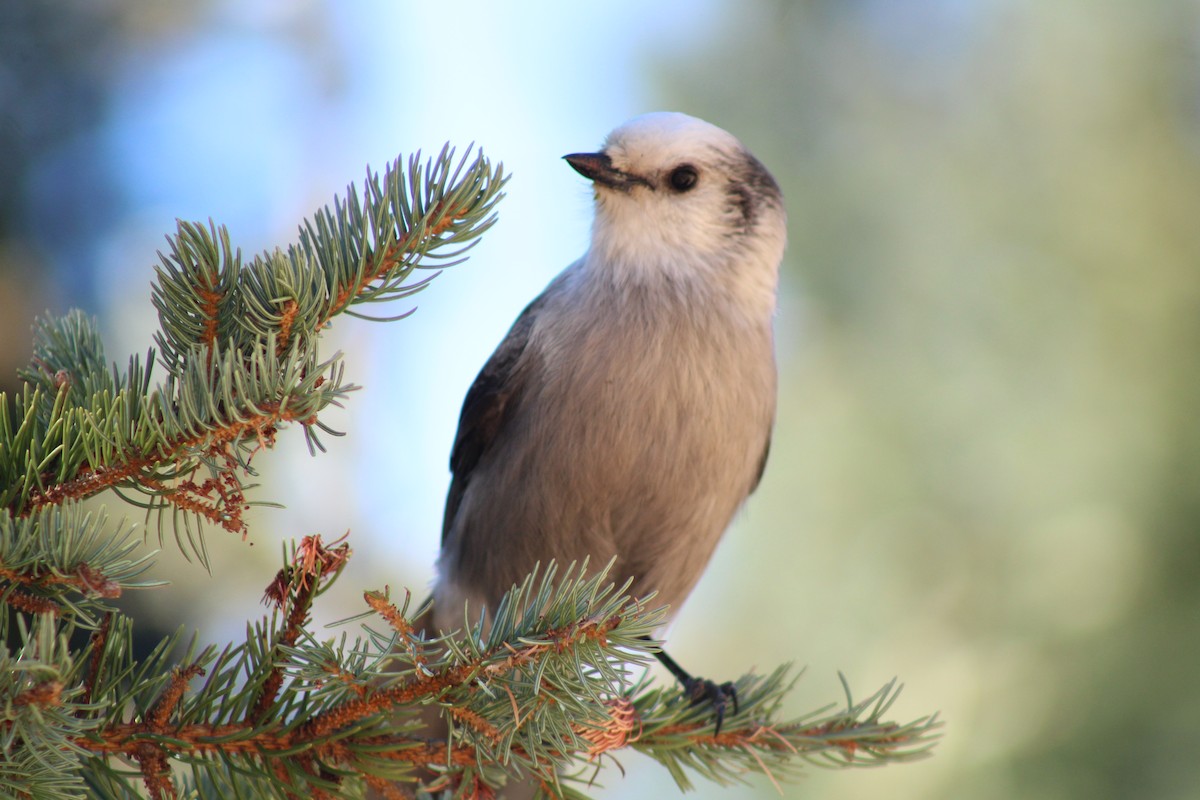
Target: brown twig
{"x":287,"y":318}
{"x":221,"y":505}
{"x":97,"y":643}
{"x":314,"y":560}
{"x":156,"y":771}
{"x":424,"y":685}
{"x":300,"y":602}
{"x":31,"y":603}
{"x":86,"y":579}
{"x":232,"y":739}
{"x":47,"y":694}
{"x":152,"y":758}
{"x":391,"y":258}
{"x":160,"y":712}
{"x":476,"y":723}
{"x":210,"y":308}
{"x":378,"y":601}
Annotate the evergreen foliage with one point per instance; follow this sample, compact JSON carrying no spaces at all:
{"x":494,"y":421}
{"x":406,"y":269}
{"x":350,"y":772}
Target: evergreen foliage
{"x":549,"y":691}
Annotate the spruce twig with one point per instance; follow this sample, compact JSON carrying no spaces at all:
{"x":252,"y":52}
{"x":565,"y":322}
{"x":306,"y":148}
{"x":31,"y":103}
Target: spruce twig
{"x":238,"y":341}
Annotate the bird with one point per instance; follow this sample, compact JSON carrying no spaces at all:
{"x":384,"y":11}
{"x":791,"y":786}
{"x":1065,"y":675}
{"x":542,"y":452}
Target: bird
{"x":627,"y":414}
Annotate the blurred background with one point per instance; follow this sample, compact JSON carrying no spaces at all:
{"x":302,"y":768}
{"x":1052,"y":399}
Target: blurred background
{"x":985,"y":472}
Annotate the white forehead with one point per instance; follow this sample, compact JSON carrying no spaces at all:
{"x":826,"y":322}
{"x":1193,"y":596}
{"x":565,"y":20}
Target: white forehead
{"x":664,"y":137}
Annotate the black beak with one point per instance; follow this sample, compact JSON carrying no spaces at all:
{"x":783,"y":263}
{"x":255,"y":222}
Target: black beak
{"x":598,"y":167}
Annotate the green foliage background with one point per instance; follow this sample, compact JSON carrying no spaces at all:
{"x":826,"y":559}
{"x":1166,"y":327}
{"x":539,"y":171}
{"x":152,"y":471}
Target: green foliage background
{"x":985,"y":473}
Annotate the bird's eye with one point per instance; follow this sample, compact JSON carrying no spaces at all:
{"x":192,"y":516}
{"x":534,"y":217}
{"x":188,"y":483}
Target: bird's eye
{"x":683,"y":178}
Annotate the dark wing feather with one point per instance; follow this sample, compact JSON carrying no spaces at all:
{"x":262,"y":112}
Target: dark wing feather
{"x":762,"y":464}
{"x":489,"y":401}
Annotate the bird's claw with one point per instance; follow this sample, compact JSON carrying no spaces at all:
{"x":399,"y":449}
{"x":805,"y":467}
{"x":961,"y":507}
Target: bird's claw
{"x":697,"y":690}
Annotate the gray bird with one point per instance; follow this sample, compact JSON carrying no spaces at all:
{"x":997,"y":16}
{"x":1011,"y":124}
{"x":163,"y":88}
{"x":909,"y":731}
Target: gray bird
{"x":628,"y":411}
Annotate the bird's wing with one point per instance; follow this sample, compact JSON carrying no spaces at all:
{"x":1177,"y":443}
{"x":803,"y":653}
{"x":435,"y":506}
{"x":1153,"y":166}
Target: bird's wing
{"x":489,"y":402}
{"x":762,"y":464}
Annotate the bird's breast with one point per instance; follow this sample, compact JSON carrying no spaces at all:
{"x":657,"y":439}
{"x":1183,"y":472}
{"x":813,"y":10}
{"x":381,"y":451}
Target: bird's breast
{"x":659,"y":407}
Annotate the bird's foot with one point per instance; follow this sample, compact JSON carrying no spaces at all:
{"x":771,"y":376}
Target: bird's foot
{"x":698,"y":690}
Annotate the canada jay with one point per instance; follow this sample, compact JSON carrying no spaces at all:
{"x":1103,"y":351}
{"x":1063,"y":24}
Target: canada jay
{"x":628,"y":411}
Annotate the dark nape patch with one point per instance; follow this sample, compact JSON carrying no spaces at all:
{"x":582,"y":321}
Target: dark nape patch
{"x":760,"y":181}
{"x":741,"y":200}
{"x":752,"y":186}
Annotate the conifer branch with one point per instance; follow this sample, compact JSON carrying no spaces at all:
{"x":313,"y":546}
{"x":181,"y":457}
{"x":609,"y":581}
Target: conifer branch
{"x":552,"y":690}
{"x":547,"y":688}
{"x":238,"y":341}
{"x":67,"y":561}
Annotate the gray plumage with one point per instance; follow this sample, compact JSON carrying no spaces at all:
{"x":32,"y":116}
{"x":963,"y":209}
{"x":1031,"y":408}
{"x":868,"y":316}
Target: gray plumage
{"x":628,"y":411}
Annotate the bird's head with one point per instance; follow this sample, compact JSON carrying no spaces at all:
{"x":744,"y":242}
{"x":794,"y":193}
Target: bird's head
{"x":682,"y":200}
